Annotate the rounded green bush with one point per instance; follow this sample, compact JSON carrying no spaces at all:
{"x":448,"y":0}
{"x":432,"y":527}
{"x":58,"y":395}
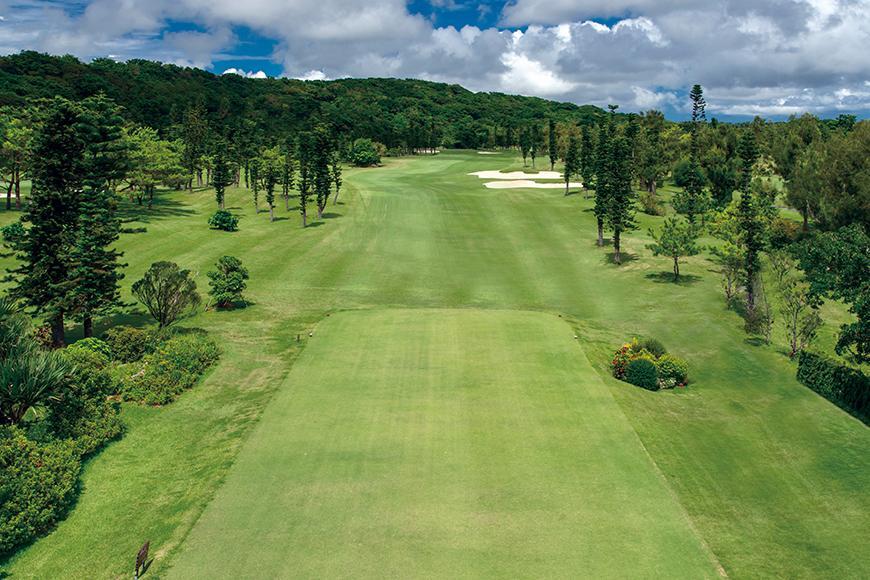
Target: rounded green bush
{"x":642,"y":373}
{"x":224,"y":220}
{"x":93,"y":345}
{"x":653,"y":346}
{"x":127,"y":344}
{"x":673,"y":368}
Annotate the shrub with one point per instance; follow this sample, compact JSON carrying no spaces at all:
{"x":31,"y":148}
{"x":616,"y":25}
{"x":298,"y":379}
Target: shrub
{"x":13,"y":233}
{"x":167,"y":291}
{"x":171,"y":369}
{"x":672,"y":370}
{"x":620,"y":361}
{"x":37,"y":485}
{"x":642,"y":373}
{"x":224,"y":220}
{"x":227,"y":282}
{"x":782,"y":232}
{"x":365,"y":153}
{"x":82,"y":410}
{"x":652,"y":346}
{"x":127,"y":344}
{"x":649,"y":202}
{"x":844,"y":386}
{"x":96,"y":345}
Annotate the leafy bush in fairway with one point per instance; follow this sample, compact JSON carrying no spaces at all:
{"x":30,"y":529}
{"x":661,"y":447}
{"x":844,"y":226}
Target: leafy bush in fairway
{"x":37,"y":483}
{"x":96,"y":345}
{"x":224,"y":221}
{"x":642,"y":373}
{"x":228,"y":282}
{"x":127,"y":344}
{"x":366,"y":153}
{"x":844,"y":386}
{"x":172,"y":368}
{"x":82,"y":411}
{"x":672,"y":371}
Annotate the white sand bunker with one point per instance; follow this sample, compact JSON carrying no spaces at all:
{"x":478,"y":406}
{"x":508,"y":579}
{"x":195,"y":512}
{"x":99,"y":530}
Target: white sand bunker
{"x":526,"y":183}
{"x":487,"y":153}
{"x":514,"y":175}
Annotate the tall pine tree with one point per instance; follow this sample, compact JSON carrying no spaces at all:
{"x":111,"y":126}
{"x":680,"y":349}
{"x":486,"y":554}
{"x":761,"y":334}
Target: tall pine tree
{"x":750,"y":223}
{"x":692,"y":200}
{"x":552,"y":148}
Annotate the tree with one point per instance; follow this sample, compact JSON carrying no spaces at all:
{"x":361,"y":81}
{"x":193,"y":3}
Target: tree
{"x":270,"y":165}
{"x":15,"y":144}
{"x":837,"y":265}
{"x":534,"y":142}
{"x":95,"y":269}
{"x":153,"y":162}
{"x":167,"y":292}
{"x":227,"y":282}
{"x":42,"y":280}
{"x":304,"y":156}
{"x":652,"y":162}
{"x":572,"y":161}
{"x":676,"y":239}
{"x":749,"y":222}
{"x":222,"y":178}
{"x":194,"y":135}
{"x":721,"y":174}
{"x":254,"y":170}
{"x":320,"y":158}
{"x":525,"y":143}
{"x":692,"y":200}
{"x":604,"y":172}
{"x":587,"y":158}
{"x":335,"y":170}
{"x":552,"y":149}
{"x":365,"y":153}
{"x":287,"y":176}
{"x":798,"y":305}
{"x":621,"y":197}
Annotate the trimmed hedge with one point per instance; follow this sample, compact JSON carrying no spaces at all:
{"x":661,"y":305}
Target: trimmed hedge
{"x":37,"y":485}
{"x":844,"y":386}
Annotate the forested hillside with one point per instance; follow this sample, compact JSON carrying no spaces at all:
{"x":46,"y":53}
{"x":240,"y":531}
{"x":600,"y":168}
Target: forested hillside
{"x":386,"y":110}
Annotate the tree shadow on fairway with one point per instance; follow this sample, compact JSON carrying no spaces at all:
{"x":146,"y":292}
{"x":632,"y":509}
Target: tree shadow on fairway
{"x":668,"y":278}
{"x":331,"y":216}
{"x":161,"y":209}
{"x":755,"y":341}
{"x":313,"y":225}
{"x":627,"y":257}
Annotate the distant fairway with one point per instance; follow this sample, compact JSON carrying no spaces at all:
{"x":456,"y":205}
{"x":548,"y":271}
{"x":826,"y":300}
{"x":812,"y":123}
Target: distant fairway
{"x":451,"y":443}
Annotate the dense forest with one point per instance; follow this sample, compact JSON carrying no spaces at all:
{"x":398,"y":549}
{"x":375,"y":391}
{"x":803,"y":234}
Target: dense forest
{"x":389,"y":111}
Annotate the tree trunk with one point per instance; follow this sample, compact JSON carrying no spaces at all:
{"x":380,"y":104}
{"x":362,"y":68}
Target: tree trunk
{"x":9,"y":194}
{"x":335,"y":199}
{"x":676,"y":268}
{"x":271,"y":213}
{"x":286,"y":203}
{"x":304,"y":220}
{"x":58,"y":338}
{"x":150,"y":196}
{"x":617,"y":257}
{"x":600,"y":232}
{"x":17,"y":188}
{"x":653,"y":187}
{"x":88,"y":324}
{"x":567,"y":187}
{"x":805,"y":213}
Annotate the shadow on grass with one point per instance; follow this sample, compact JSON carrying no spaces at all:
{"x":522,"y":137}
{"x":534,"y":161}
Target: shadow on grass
{"x":627,"y":257}
{"x":755,"y":341}
{"x":330,"y":215}
{"x":162,"y":208}
{"x":668,"y":278}
{"x":313,"y":225}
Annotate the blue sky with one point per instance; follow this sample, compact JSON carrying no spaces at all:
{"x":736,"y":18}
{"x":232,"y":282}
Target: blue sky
{"x":767,"y":57}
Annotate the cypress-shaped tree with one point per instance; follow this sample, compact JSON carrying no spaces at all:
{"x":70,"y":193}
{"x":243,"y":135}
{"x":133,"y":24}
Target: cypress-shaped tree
{"x":587,"y":157}
{"x":552,"y":148}
{"x":750,"y":223}
{"x":303,"y":154}
{"x":222,"y":176}
{"x":692,"y":200}
{"x":572,"y":161}
{"x":335,"y":170}
{"x":604,"y":172}
{"x":287,"y":177}
{"x":42,"y":280}
{"x":621,"y":198}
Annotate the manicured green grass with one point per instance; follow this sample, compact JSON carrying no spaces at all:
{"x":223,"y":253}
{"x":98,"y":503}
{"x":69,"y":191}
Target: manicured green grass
{"x":772,"y":477}
{"x":443,"y":443}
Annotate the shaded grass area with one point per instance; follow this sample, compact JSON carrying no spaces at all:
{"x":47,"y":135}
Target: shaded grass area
{"x":477,"y":443}
{"x":772,"y":476}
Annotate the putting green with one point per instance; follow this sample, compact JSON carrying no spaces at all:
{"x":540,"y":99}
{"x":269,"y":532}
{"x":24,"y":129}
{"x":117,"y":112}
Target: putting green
{"x":449,"y":443}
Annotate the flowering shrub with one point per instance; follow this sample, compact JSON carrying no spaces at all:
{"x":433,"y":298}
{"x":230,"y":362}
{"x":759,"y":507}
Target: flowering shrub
{"x":659,"y":370}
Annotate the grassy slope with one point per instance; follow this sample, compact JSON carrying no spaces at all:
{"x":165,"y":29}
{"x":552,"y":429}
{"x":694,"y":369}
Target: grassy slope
{"x":772,"y":475}
{"x":451,"y":443}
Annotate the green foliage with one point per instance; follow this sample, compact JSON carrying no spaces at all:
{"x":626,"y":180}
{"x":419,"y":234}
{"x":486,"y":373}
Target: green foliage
{"x":228,"y":282}
{"x":652,"y":345}
{"x":127,"y":343}
{"x":672,"y":370}
{"x":649,"y":203}
{"x":13,"y":233}
{"x":684,"y":173}
{"x":82,"y":411}
{"x":642,"y":372}
{"x":365,"y":153}
{"x":37,"y":484}
{"x":172,"y":368}
{"x":844,"y":386}
{"x":224,"y":220}
{"x":837,"y":265}
{"x":91,"y":344}
{"x":29,"y":379}
{"x":676,"y":239}
{"x":167,"y":292}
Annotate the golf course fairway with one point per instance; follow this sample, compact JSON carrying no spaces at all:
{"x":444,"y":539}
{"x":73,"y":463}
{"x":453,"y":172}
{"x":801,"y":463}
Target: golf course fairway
{"x":449,"y":443}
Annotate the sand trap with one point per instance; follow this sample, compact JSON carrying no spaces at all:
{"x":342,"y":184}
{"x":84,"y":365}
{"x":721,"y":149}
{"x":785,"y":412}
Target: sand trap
{"x":487,"y":153}
{"x":525,"y":183}
{"x":513,"y":175}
